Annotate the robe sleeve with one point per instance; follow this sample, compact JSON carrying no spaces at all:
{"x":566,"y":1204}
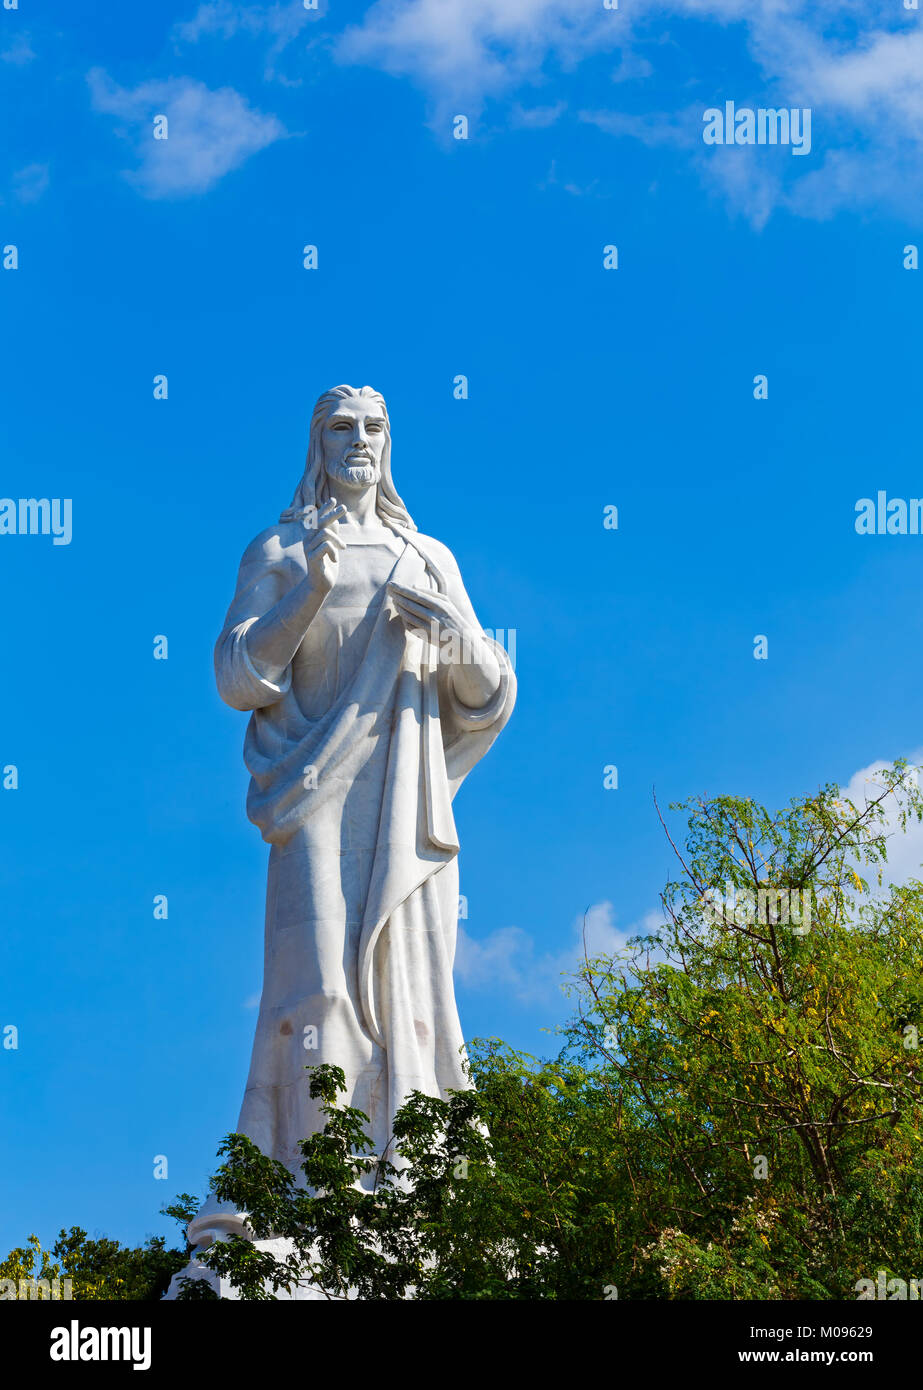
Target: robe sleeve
{"x":469,"y":732}
{"x":240,"y":684}
{"x":467,"y":719}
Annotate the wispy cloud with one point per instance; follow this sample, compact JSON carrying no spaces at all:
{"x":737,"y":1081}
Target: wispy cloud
{"x":30,"y":182}
{"x":226,"y":19}
{"x":508,"y":960}
{"x":680,"y":128}
{"x":218,"y":18}
{"x":467,"y":52}
{"x":19,"y":52}
{"x":537,"y":117}
{"x":631,"y":67}
{"x":859,"y":65}
{"x":554,"y":180}
{"x":210,"y":132}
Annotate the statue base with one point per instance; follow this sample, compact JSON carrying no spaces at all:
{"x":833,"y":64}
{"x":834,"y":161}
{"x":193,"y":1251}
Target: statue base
{"x":217,"y":1221}
{"x":280,"y":1248}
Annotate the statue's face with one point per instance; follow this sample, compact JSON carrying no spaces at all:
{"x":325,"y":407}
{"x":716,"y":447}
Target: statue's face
{"x":353,"y":440}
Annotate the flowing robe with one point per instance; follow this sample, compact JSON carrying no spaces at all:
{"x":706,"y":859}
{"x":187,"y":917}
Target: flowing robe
{"x":355,"y":754}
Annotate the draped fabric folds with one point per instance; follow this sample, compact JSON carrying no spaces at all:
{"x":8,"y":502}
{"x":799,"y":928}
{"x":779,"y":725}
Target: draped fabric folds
{"x":352,"y":781}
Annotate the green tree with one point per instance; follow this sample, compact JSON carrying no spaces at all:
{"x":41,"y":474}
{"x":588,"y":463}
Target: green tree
{"x":30,"y":1268}
{"x":102,"y":1269}
{"x":769,"y":1071}
{"x":97,"y":1269}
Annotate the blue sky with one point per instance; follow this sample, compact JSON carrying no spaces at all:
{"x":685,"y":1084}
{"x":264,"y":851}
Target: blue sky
{"x":587,"y":388}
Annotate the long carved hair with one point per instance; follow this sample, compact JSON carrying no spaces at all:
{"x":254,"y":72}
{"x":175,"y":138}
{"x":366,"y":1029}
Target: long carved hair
{"x":312,"y":490}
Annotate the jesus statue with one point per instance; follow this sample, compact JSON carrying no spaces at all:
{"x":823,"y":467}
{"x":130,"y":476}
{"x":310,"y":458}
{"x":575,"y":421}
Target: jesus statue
{"x":372,"y":692}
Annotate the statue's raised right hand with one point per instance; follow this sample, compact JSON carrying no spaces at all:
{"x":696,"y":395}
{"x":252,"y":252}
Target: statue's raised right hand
{"x":322,"y":546}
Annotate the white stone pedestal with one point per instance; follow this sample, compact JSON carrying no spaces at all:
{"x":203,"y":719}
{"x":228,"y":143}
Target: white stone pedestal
{"x":280,"y":1248}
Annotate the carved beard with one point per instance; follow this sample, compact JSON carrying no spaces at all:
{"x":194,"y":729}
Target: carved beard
{"x":355,"y":473}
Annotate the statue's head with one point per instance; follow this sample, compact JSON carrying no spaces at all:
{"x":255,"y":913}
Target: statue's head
{"x":350,"y":441}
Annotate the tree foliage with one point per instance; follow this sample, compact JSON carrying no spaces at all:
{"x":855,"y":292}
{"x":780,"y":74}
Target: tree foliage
{"x":96,"y":1268}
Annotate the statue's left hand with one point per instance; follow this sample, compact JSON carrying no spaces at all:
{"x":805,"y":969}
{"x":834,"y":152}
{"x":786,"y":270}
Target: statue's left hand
{"x":475,"y":671}
{"x":431,"y":613}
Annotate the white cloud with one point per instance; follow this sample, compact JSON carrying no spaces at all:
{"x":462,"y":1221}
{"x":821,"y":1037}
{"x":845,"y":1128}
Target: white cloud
{"x":30,"y":182}
{"x":886,"y":71}
{"x":537,"y":117}
{"x":632,"y":67}
{"x":209,"y":132}
{"x":466,"y":52}
{"x":749,"y":185}
{"x":219,"y":17}
{"x":553,"y":180}
{"x":507,"y":959}
{"x":19,"y":52}
{"x":224,"y":18}
{"x":905,"y":848}
{"x":857,"y":63}
{"x":680,"y":128}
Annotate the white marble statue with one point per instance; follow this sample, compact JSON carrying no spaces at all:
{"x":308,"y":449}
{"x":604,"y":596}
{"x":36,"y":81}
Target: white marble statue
{"x":372,"y":692}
